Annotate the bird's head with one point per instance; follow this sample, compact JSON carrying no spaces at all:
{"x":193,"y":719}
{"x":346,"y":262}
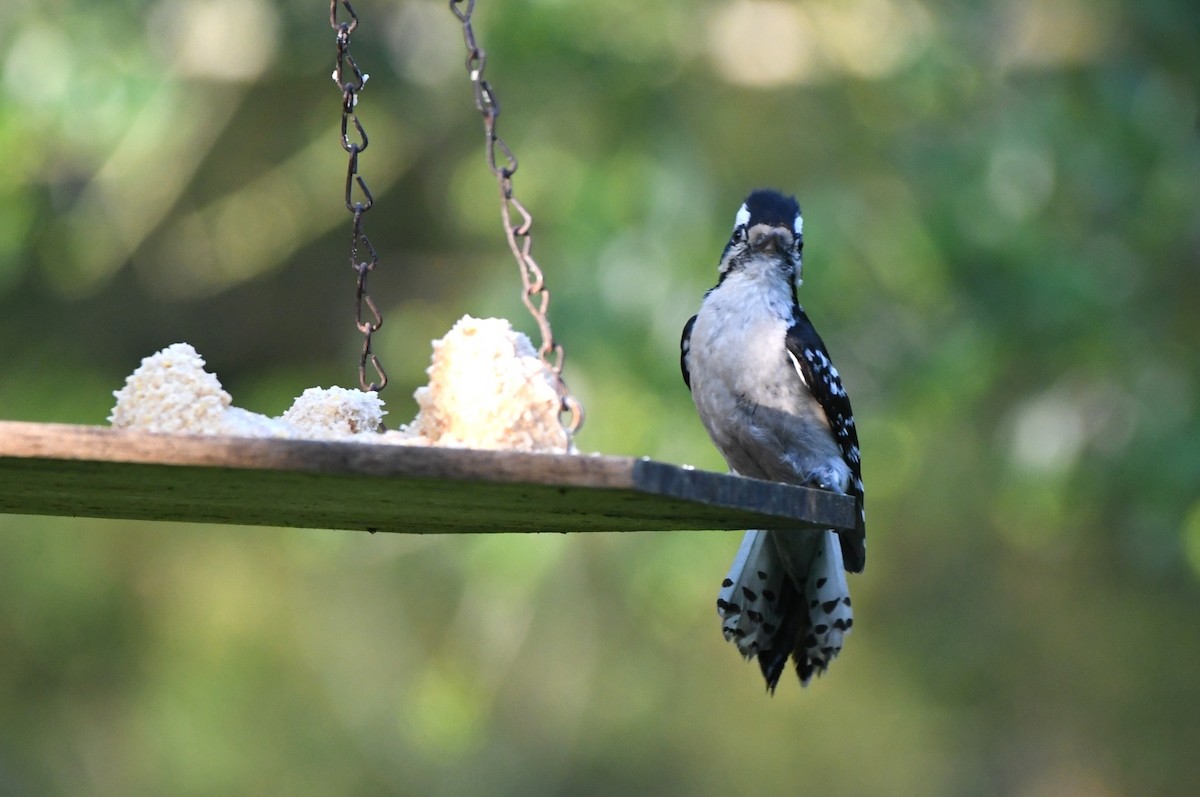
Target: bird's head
{"x":768,"y":227}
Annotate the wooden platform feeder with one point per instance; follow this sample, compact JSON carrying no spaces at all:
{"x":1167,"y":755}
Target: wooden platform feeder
{"x":85,"y":471}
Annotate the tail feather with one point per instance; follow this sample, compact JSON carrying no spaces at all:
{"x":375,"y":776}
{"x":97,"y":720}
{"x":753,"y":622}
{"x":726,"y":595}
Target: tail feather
{"x":773,"y":660}
{"x":828,"y":608}
{"x":749,"y":596}
{"x":786,"y":595}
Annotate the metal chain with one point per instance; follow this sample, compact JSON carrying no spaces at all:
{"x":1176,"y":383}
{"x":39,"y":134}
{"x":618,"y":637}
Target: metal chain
{"x":350,"y":86}
{"x":535,"y":295}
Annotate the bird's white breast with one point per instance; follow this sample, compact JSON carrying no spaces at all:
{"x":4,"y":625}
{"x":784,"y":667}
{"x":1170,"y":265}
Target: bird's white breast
{"x":737,"y":346}
{"x":750,"y":396}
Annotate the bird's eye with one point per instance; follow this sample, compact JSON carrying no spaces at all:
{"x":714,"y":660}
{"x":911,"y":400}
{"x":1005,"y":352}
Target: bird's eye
{"x":739,"y":233}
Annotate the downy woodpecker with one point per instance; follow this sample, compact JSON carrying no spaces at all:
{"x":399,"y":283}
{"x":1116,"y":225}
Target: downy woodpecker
{"x":774,"y":405}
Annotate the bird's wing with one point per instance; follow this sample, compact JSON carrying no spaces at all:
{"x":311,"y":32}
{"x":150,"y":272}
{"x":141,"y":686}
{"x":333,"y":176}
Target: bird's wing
{"x":685,"y":347}
{"x":809,"y":355}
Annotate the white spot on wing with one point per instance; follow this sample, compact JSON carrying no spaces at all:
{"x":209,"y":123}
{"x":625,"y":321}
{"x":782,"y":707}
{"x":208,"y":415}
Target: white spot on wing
{"x":796,"y":365}
{"x":743,"y":216}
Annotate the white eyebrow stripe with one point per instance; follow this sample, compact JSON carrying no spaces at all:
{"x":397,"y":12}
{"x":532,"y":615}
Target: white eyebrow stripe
{"x":799,"y":224}
{"x":743,"y":216}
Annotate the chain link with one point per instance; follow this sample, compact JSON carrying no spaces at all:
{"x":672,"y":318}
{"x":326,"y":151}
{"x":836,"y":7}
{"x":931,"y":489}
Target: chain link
{"x":503,"y":163}
{"x":351,"y":80}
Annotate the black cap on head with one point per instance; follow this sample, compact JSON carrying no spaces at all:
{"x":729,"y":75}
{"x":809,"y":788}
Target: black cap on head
{"x":765,"y":206}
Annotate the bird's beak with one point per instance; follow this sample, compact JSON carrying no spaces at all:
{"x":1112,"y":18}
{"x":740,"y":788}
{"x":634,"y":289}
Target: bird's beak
{"x":770,"y":240}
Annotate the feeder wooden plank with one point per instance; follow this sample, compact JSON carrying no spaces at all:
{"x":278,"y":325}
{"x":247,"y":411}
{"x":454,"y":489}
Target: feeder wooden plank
{"x":85,"y":471}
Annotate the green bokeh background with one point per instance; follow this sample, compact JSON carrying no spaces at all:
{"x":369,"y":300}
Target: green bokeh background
{"x":1003,"y":254}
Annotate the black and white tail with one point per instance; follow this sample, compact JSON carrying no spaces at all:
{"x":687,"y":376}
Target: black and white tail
{"x":786,"y":595}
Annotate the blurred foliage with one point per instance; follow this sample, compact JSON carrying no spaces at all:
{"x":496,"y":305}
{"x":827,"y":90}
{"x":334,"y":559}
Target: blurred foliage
{"x":1003,"y":255}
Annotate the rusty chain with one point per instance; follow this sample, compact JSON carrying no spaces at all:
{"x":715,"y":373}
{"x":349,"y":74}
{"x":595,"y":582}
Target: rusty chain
{"x":535,"y":295}
{"x":350,"y":85}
